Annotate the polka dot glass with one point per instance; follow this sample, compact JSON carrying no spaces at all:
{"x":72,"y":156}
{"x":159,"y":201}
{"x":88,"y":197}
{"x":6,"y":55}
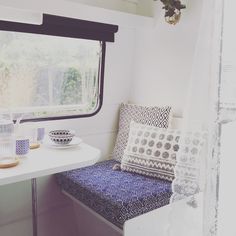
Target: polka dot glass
{"x":22,"y":147}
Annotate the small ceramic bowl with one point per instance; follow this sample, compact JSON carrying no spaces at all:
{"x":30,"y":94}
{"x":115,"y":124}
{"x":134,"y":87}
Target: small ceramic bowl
{"x":61,"y":137}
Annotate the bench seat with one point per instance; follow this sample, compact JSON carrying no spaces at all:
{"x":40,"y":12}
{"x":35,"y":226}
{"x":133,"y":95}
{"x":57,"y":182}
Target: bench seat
{"x":115,"y":195}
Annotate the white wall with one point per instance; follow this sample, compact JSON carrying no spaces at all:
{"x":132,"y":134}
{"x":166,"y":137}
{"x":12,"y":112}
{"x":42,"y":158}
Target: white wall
{"x":56,"y":214}
{"x":164,"y":57}
{"x":140,"y":52}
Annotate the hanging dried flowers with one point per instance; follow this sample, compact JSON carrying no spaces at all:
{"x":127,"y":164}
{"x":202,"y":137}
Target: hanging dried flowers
{"x":172,"y":10}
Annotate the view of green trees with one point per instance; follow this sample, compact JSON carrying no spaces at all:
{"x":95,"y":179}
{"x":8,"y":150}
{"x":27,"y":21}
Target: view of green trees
{"x":71,"y":87}
{"x":40,"y":71}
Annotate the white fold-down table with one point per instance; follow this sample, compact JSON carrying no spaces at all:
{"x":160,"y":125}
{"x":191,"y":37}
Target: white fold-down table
{"x":46,"y":161}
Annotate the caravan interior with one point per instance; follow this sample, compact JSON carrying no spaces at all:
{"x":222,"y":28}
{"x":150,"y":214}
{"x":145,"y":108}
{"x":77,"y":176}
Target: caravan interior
{"x":117,"y":117}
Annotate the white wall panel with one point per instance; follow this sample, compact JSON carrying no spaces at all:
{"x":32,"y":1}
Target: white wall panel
{"x":164,"y":57}
{"x":105,"y":142}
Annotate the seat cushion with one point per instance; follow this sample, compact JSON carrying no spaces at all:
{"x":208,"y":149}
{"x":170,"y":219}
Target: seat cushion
{"x":116,"y":195}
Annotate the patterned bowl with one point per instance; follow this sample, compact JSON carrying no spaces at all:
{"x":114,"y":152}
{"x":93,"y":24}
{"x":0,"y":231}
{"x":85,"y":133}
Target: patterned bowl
{"x":61,"y":137}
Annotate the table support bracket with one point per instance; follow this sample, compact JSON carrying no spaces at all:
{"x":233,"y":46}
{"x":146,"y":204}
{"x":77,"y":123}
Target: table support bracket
{"x":34,"y":207}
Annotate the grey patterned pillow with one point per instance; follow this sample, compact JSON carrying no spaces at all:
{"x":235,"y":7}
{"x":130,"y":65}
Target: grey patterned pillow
{"x":151,"y":151}
{"x":156,"y":116}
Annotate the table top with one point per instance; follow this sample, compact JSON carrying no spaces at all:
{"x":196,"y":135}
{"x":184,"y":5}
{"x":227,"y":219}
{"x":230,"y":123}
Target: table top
{"x":46,"y":161}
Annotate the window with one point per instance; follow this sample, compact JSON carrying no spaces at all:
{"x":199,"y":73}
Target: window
{"x":48,"y":75}
{"x":54,"y":70}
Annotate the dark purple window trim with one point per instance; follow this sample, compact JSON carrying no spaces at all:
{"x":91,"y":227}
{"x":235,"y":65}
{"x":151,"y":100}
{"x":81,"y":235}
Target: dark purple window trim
{"x":74,"y":28}
{"x":65,"y":27}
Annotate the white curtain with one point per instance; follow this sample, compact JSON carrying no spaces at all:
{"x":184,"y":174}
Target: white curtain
{"x":195,"y":181}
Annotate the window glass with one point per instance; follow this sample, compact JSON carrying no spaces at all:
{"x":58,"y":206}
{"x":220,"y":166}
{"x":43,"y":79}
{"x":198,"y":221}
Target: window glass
{"x":48,"y":76}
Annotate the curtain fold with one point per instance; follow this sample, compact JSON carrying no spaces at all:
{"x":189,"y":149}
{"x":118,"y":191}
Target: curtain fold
{"x":196,"y":172}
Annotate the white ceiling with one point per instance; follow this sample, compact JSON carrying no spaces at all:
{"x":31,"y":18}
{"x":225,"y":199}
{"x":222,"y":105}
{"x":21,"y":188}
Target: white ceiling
{"x":139,"y":7}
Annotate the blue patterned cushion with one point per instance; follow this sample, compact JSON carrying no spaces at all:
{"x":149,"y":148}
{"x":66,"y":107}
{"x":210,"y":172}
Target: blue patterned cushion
{"x":116,"y":195}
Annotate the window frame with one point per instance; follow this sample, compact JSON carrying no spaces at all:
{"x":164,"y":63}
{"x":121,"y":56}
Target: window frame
{"x":72,"y":28}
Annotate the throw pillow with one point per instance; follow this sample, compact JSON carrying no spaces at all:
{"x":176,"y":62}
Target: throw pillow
{"x":156,"y":116}
{"x":151,"y":151}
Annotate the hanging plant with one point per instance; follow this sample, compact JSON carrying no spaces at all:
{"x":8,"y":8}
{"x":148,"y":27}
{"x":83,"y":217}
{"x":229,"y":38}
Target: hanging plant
{"x":172,"y":10}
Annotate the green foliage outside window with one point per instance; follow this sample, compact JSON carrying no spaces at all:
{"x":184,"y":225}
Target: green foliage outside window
{"x":71,"y":87}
